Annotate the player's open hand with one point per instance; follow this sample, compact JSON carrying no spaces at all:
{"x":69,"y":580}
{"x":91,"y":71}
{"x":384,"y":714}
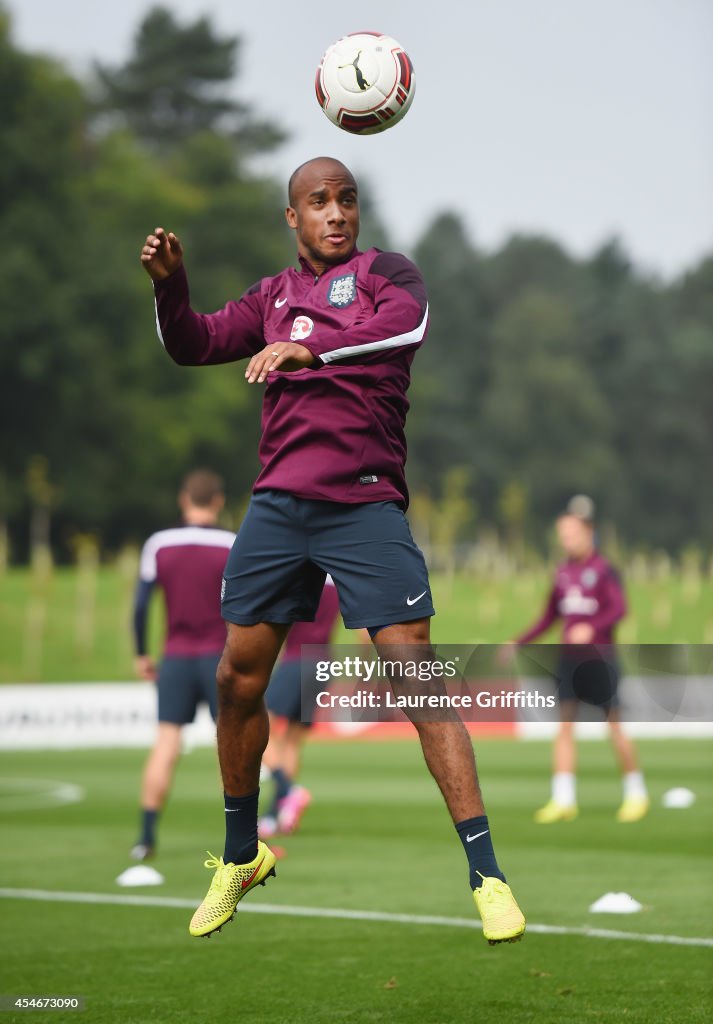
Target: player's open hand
{"x":281,"y":355}
{"x":580,"y":633}
{"x":161,"y":255}
{"x":145,"y":668}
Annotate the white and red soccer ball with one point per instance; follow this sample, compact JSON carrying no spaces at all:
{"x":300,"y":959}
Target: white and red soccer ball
{"x":365,"y":83}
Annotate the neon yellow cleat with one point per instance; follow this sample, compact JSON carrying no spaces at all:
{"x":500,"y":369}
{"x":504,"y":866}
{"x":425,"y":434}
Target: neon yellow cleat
{"x":503,"y":921}
{"x":553,"y":812}
{"x":230,"y":883}
{"x":634,"y":808}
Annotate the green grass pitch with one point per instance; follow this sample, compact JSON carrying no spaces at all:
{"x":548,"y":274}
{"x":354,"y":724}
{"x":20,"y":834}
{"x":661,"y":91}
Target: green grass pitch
{"x":376,"y":838}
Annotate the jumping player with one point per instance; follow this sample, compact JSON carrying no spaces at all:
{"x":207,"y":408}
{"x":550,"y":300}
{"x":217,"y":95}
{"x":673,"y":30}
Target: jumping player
{"x":287,"y":698}
{"x":187,"y":563}
{"x":587,"y":596}
{"x":334,"y":341}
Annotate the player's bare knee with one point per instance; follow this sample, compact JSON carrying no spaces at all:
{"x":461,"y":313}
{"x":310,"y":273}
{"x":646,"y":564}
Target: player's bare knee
{"x":238,"y":684}
{"x":166,"y":758}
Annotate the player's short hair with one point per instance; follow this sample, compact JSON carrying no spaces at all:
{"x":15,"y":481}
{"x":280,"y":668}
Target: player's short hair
{"x":580,"y":507}
{"x":202,"y":486}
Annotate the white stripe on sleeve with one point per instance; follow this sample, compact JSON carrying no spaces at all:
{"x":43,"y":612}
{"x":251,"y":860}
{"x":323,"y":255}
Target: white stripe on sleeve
{"x":409,"y":338}
{"x":176,"y":537}
{"x":147,"y":565}
{"x":158,"y":325}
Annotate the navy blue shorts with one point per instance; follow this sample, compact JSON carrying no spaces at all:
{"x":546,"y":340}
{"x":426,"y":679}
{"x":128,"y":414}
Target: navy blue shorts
{"x":183,"y":684}
{"x":284,"y":694}
{"x":590,"y":679}
{"x":286,"y":545}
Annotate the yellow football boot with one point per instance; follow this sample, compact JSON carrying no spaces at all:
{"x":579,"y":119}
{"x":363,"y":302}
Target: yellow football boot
{"x":503,"y":921}
{"x":634,"y":808}
{"x":230,"y":883}
{"x":553,"y":812}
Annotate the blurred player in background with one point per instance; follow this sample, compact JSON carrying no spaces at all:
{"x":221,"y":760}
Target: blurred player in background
{"x":588,"y":597}
{"x":334,"y":341}
{"x":187,"y":562}
{"x":287,"y":698}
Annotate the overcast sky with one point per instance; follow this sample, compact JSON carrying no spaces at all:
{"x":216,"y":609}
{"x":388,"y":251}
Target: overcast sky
{"x":576,"y":118}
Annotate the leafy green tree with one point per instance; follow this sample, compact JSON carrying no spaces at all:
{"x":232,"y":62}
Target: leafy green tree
{"x":692,"y":296}
{"x":41,"y":155}
{"x":452,"y":370}
{"x":527,"y":262}
{"x":82,"y":369}
{"x":543,"y":418}
{"x":542,"y":374}
{"x":545,"y":375}
{"x":175,"y":86}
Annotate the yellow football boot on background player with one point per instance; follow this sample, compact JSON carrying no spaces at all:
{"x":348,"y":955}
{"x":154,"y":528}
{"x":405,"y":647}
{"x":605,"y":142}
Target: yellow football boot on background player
{"x":554,"y":811}
{"x":634,"y":808}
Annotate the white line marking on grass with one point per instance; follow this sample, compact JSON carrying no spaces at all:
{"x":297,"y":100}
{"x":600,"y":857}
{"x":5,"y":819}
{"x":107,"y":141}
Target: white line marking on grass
{"x":37,"y":794}
{"x":340,"y":914}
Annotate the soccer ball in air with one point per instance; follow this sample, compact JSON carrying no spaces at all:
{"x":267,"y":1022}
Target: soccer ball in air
{"x":365,"y":83}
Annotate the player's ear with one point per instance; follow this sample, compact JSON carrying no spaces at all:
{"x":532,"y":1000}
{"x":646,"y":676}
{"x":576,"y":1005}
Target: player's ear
{"x":291,"y":217}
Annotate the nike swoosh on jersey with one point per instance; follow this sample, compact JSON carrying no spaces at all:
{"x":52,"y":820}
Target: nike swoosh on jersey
{"x":279,"y":302}
{"x":413,"y":600}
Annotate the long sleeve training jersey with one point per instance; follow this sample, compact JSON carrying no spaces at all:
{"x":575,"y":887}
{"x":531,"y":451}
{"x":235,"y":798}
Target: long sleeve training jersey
{"x":333,"y":431}
{"x":588,"y":591}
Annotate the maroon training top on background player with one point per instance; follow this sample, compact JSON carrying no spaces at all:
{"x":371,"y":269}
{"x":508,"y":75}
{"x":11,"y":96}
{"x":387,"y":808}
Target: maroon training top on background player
{"x":187,"y":562}
{"x":317,"y":632}
{"x":333,"y":431}
{"x":583,"y":591}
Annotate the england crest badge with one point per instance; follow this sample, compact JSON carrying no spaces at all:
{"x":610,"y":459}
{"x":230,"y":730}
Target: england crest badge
{"x":342,"y":291}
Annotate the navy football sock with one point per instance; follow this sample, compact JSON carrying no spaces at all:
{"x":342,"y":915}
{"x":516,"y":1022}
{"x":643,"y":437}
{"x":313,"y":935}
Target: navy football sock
{"x":283,"y":784}
{"x":148,"y":827}
{"x":478,"y":845}
{"x":241,"y":828}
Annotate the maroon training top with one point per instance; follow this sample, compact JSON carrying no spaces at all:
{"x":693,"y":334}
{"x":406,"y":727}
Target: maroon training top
{"x":317,"y":632}
{"x":334,"y":431}
{"x":588,"y":591}
{"x":187,"y":562}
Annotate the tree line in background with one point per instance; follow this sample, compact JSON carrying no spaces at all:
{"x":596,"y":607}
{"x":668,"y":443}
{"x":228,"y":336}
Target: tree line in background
{"x":542,"y":375}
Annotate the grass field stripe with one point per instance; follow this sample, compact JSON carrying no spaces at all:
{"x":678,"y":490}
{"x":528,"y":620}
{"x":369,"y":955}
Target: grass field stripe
{"x":179,"y":903}
{"x":17,"y":794}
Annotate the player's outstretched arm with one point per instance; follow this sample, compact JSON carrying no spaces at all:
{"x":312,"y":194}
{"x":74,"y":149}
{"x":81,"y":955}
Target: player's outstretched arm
{"x":196,"y":339}
{"x":161,"y":255}
{"x":549,"y":616}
